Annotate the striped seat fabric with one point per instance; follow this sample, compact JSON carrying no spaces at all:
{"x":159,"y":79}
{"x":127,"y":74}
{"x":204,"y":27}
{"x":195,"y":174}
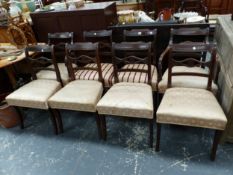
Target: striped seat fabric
{"x":107,"y":73}
{"x":137,"y":77}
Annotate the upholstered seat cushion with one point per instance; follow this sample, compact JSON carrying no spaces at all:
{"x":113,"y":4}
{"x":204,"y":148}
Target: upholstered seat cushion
{"x":191,"y":107}
{"x":51,"y":75}
{"x":138,"y":77}
{"x":127,"y":99}
{"x":34,"y":94}
{"x":107,"y":73}
{"x":80,"y":95}
{"x":186,"y":81}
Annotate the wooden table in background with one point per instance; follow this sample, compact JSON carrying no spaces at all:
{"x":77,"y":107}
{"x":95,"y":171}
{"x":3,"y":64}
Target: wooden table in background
{"x":8,"y":66}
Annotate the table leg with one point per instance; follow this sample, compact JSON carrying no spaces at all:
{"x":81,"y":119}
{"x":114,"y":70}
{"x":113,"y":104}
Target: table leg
{"x":10,"y":72}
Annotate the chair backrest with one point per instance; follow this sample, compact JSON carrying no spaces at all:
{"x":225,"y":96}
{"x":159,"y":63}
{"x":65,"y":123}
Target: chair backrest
{"x":39,"y":58}
{"x":61,"y":37}
{"x":81,"y":54}
{"x":194,"y":5}
{"x":59,"y":40}
{"x":131,"y":53}
{"x":103,"y":37}
{"x":145,"y":35}
{"x":189,"y":34}
{"x":186,"y":52}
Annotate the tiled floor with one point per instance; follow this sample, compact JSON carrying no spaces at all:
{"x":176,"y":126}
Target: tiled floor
{"x":37,"y":151}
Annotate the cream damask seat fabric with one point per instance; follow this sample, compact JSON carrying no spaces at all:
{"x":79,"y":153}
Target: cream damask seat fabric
{"x":46,"y":74}
{"x":127,"y":99}
{"x":138,"y":77}
{"x":186,"y":81}
{"x":34,"y":94}
{"x":79,"y":95}
{"x":107,"y":73}
{"x":191,"y":107}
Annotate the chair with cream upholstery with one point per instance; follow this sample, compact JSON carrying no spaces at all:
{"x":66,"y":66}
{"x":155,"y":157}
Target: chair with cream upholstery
{"x":79,"y":95}
{"x":36,"y":93}
{"x":104,"y":38}
{"x":181,"y":35}
{"x":129,"y":99}
{"x":58,"y":40}
{"x":195,"y":107}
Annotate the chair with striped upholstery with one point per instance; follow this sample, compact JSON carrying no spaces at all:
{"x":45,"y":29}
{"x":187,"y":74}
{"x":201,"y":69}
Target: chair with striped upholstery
{"x":140,"y":35}
{"x":36,"y":93}
{"x":104,"y":38}
{"x":129,"y":99}
{"x":79,"y":95}
{"x":195,"y":107}
{"x":58,"y":40}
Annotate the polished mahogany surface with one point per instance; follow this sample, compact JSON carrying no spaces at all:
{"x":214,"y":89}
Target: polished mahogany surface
{"x":95,"y":16}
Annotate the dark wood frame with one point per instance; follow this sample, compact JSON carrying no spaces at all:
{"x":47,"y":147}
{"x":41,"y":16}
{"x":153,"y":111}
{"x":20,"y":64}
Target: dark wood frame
{"x":189,"y":32}
{"x":37,"y":63}
{"x":145,"y":35}
{"x":79,"y":53}
{"x":142,"y":51}
{"x":104,"y":38}
{"x":190,"y":50}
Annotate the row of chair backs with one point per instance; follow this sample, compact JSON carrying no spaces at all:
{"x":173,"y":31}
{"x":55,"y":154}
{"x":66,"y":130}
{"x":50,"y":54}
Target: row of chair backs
{"x":190,"y":53}
{"x":104,"y":37}
{"x":78,"y":55}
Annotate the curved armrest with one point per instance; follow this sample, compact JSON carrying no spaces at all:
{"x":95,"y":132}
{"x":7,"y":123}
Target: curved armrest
{"x":160,"y":63}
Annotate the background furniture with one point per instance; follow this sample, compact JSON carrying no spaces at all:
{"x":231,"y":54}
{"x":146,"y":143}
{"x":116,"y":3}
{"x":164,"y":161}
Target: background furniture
{"x":94,"y":16}
{"x":224,"y":40}
{"x":214,"y":6}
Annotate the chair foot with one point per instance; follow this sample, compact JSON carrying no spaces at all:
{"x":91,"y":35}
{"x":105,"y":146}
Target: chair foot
{"x":18,"y":110}
{"x":157,"y":148}
{"x":53,"y":119}
{"x":99,"y":127}
{"x":217,"y":137}
{"x":151,"y":133}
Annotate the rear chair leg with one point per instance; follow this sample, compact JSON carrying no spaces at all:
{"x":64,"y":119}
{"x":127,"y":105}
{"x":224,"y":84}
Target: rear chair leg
{"x":99,"y":127}
{"x":58,"y":120}
{"x":158,"y":137}
{"x":18,"y":110}
{"x":103,"y":126}
{"x":53,"y":119}
{"x":151,"y":133}
{"x":217,"y":137}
